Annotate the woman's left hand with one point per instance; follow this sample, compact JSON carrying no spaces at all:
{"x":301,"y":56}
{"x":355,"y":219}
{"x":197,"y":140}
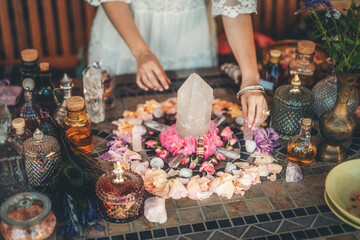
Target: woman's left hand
{"x":254,"y":104}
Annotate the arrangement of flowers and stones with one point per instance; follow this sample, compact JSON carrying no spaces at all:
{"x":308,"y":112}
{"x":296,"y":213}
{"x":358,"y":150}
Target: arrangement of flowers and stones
{"x":189,"y":155}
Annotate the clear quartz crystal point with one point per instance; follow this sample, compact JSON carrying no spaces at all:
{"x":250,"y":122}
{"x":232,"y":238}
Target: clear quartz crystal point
{"x":194,"y":106}
{"x":156,"y":125}
{"x":94,"y":95}
{"x":228,"y":153}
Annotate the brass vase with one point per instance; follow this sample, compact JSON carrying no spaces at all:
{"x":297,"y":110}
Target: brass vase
{"x":337,"y":124}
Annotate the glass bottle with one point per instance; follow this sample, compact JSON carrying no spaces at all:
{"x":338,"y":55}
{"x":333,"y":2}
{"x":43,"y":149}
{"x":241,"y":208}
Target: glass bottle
{"x":28,"y":110}
{"x":303,"y":65}
{"x":66,"y":85}
{"x":47,"y":126}
{"x":77,"y":124}
{"x":302,"y":148}
{"x":122,"y":194}
{"x":12,"y":168}
{"x":272,"y":71}
{"x":29,"y":64}
{"x":20,"y":133}
{"x":27,"y":216}
{"x":43,"y":91}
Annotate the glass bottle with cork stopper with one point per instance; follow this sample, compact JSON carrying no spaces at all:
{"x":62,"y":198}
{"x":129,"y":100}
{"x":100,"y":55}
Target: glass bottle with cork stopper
{"x":291,"y":103}
{"x":272,"y":71}
{"x":77,"y":124}
{"x":66,"y":85}
{"x":302,"y":148}
{"x":43,"y":92}
{"x":122,"y":194}
{"x":29,"y":64}
{"x":303,"y":65}
{"x":29,"y":110}
{"x":20,"y":133}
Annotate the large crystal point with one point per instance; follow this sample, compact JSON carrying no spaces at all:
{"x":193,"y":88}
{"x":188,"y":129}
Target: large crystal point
{"x":194,"y":106}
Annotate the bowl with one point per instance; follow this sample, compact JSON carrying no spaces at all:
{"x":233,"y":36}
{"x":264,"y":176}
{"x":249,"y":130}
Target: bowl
{"x":341,"y":182}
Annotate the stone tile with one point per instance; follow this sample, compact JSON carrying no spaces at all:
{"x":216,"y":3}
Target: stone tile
{"x":259,"y":205}
{"x":234,"y":198}
{"x":322,"y":221}
{"x":304,"y":221}
{"x":289,"y":226}
{"x":213,"y":199}
{"x":199,"y":236}
{"x":315,"y":183}
{"x":236,"y":208}
{"x":220,"y":235}
{"x":142,"y":223}
{"x":116,"y":228}
{"x":212,"y":212}
{"x":190,"y":215}
{"x":281,"y":202}
{"x":172,"y":220}
{"x":303,"y":199}
{"x":255,"y":232}
{"x":133,"y":101}
{"x":319,"y":196}
{"x":185,"y":202}
{"x":295,"y":187}
{"x":273,"y":188}
{"x":254,"y":192}
{"x":270,"y":226}
{"x":235,"y":231}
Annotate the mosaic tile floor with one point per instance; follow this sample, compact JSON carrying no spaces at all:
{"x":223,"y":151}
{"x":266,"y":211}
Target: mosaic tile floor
{"x":270,"y":210}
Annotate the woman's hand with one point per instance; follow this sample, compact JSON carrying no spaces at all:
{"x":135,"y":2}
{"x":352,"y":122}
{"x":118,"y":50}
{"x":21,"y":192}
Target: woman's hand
{"x":254,"y":104}
{"x":150,"y":73}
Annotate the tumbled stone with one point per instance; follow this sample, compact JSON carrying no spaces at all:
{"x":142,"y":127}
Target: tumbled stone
{"x":293,"y":172}
{"x":154,"y":210}
{"x":194,"y":107}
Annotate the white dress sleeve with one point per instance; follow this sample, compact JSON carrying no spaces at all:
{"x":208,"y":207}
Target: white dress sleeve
{"x":232,"y":8}
{"x":97,"y":3}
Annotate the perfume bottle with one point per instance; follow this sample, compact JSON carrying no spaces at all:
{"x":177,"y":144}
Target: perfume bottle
{"x":122,"y":194}
{"x":27,"y":216}
{"x":28,"y":110}
{"x":303,"y":65}
{"x":77,"y":124}
{"x":43,"y":91}
{"x":302,"y":148}
{"x":66,"y":86}
{"x":42,"y":155}
{"x":29,"y":64}
{"x":12,"y":168}
{"x":20,"y":133}
{"x":47,"y":126}
{"x":272,"y":71}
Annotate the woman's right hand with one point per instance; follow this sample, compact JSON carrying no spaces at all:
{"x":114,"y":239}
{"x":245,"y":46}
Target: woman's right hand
{"x":150,"y":73}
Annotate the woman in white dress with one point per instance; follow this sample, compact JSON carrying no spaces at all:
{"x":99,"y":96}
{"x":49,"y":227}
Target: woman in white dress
{"x":150,"y":36}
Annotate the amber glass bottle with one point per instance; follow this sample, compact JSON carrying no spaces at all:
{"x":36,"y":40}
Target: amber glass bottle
{"x":77,"y":124}
{"x":273,"y":71}
{"x":302,"y":148}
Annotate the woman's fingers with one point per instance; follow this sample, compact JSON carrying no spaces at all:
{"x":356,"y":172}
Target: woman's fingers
{"x":139,"y":82}
{"x":259,"y":118}
{"x":253,"y":107}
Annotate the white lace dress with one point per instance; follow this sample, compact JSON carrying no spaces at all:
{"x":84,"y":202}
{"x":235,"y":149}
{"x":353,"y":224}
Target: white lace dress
{"x":181,"y":33}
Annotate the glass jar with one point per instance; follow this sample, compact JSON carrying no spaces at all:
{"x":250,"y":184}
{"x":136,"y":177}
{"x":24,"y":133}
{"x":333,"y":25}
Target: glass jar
{"x":12,"y":168}
{"x":272,"y":71}
{"x":303,"y":65}
{"x":122,"y":195}
{"x":27,"y":216}
{"x":108,"y":81}
{"x":302,"y":148}
{"x":291,"y":103}
{"x":77,"y":124}
{"x":42,"y":155}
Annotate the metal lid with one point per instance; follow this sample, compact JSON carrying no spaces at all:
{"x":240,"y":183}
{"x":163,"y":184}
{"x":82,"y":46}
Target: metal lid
{"x":120,"y":186}
{"x":41,"y":145}
{"x":25,"y":209}
{"x":294,"y":95}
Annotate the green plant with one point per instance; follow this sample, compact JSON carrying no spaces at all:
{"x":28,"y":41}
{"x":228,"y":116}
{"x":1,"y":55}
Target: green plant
{"x":339,"y":33}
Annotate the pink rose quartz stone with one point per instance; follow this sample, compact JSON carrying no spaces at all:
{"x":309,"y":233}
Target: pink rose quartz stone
{"x":154,"y":210}
{"x":293,"y":172}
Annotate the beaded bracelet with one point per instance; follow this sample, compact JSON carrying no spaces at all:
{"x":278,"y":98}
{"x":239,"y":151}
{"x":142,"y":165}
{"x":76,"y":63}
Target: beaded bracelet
{"x":253,"y":88}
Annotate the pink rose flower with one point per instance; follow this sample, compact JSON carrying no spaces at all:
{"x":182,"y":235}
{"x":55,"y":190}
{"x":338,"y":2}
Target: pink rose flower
{"x":192,"y":165}
{"x":163,"y":154}
{"x":151,"y":144}
{"x":185,"y":160}
{"x":208,"y":168}
{"x":220,"y":157}
{"x":226,"y":133}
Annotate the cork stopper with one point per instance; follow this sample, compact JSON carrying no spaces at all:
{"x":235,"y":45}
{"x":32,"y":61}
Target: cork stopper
{"x":75,"y":103}
{"x":29,"y":55}
{"x":306,"y":123}
{"x":44,"y":66}
{"x":306,"y":47}
{"x":275,"y":53}
{"x":19,"y":125}
{"x":296,"y":83}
